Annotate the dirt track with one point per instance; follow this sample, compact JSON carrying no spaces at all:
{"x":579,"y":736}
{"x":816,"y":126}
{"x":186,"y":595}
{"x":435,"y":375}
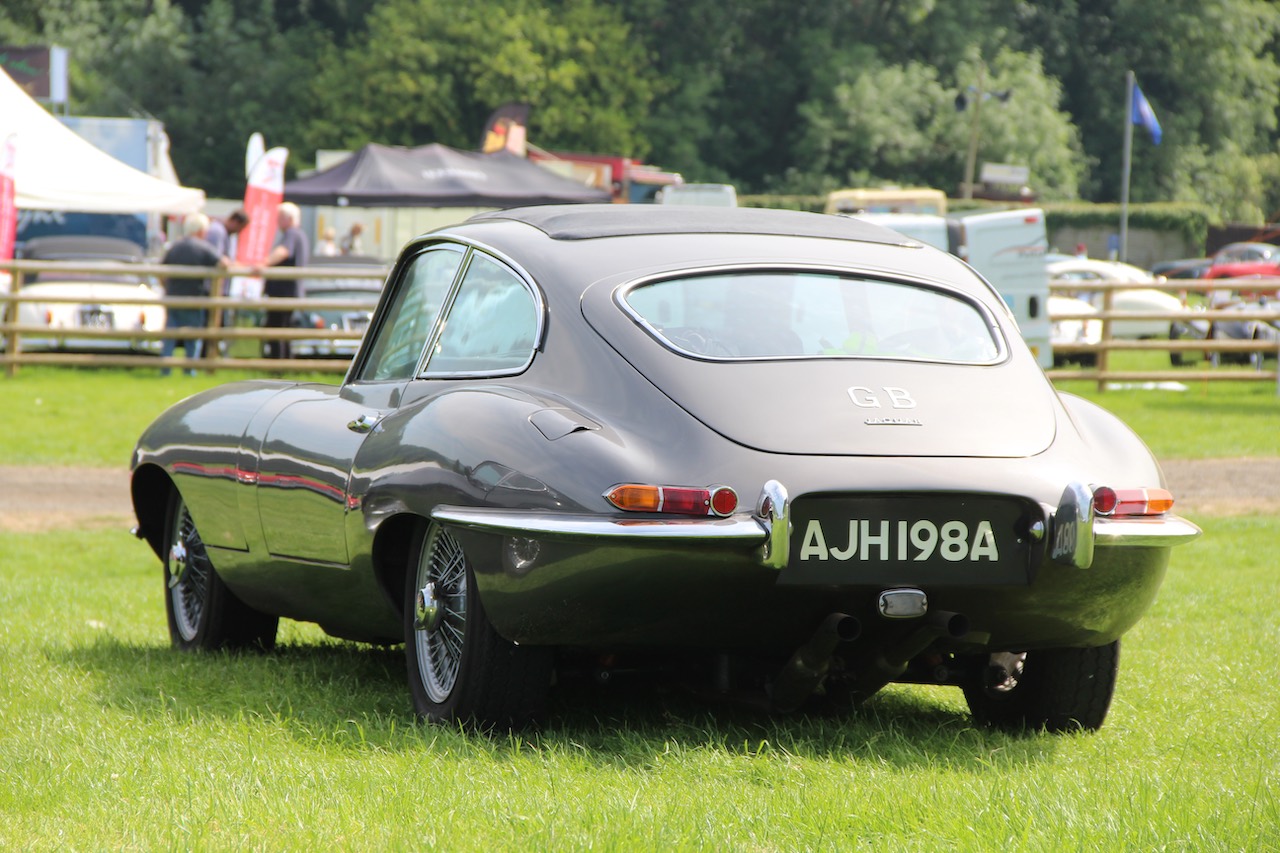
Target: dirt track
{"x":36,"y":499}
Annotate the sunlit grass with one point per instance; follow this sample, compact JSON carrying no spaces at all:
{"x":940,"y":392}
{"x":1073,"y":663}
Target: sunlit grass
{"x":112,"y":741}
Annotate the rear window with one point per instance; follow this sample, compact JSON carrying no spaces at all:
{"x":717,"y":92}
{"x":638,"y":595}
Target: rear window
{"x":766,"y":315}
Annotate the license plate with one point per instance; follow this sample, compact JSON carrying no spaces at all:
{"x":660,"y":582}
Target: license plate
{"x":952,"y":539}
{"x":96,"y":318}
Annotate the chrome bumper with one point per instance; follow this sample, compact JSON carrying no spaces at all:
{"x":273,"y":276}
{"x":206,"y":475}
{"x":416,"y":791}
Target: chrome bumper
{"x":1076,"y":530}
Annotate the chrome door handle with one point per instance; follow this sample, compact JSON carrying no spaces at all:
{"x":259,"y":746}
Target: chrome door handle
{"x":364,"y":423}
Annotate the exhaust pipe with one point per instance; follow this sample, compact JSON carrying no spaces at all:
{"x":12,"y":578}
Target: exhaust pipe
{"x":878,"y":669}
{"x":808,"y":666}
{"x":939,"y":623}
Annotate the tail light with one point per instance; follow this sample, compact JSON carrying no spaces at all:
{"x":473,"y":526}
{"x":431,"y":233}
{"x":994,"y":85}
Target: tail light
{"x":1128,"y":502}
{"x":674,"y":500}
{"x":319,"y":322}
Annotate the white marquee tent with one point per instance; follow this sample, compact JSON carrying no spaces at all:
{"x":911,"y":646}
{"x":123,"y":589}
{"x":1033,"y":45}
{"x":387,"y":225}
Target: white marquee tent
{"x":58,"y":170}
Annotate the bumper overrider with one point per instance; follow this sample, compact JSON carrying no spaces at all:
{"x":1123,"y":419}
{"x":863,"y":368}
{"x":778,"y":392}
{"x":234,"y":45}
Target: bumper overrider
{"x":550,"y":578}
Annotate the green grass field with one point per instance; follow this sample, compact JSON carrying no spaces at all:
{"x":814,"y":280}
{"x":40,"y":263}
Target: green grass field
{"x":110,"y":740}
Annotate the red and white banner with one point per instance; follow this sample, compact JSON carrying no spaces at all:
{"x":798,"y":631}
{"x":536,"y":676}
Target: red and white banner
{"x":262,"y":198}
{"x":8,"y":206}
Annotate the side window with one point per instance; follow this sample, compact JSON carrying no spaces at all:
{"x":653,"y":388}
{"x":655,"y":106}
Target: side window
{"x":411,"y":315}
{"x":492,"y":325}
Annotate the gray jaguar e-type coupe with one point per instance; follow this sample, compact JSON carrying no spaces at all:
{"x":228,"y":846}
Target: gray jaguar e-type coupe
{"x":803,"y":455}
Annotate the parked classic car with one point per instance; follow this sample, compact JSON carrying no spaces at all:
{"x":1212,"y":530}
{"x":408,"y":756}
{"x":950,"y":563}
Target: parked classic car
{"x":360,"y":290}
{"x":102,"y":296}
{"x":801,"y":455}
{"x":1065,"y":271}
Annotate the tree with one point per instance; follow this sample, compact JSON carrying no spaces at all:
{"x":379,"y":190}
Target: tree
{"x":435,"y":71}
{"x":889,"y":123}
{"x":1207,"y":66}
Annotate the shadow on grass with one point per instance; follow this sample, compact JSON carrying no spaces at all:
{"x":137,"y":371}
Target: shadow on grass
{"x":355,"y":697}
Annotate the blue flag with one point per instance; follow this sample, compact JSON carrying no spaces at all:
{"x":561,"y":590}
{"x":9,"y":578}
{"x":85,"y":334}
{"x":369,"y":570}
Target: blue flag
{"x":1144,"y":115}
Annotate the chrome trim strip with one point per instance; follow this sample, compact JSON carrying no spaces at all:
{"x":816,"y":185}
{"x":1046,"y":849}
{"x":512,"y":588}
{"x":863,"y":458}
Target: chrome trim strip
{"x":1156,"y":532}
{"x":736,"y":530}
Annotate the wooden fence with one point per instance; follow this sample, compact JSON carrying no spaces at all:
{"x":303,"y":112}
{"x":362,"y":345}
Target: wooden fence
{"x":222,"y":340}
{"x":134,"y":347}
{"x":1212,"y":349}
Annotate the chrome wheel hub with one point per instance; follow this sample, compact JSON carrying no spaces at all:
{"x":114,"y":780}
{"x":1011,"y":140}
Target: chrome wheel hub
{"x":428,"y":613}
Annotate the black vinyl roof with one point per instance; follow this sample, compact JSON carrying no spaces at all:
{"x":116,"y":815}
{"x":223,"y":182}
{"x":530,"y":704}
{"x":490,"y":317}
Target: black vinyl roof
{"x":592,"y":221}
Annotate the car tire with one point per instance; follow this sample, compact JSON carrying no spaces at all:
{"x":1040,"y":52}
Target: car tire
{"x":1054,"y":690}
{"x":460,"y":669}
{"x":203,"y":614}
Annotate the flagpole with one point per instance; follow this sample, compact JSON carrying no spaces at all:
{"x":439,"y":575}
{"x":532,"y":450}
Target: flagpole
{"x":1128,"y":152}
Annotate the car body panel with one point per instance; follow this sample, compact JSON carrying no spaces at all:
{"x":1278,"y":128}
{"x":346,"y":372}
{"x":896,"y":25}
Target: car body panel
{"x":308,"y":493}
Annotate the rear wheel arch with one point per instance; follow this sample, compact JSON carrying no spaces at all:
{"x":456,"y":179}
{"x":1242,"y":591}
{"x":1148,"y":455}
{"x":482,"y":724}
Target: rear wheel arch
{"x":394,"y":549}
{"x":150,"y":490}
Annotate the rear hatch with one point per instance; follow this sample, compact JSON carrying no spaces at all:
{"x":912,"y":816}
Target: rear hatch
{"x":845,"y":405}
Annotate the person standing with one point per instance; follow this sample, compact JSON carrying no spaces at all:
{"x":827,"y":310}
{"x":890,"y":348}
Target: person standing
{"x":352,"y":244}
{"x":222,"y":230}
{"x":328,"y":245}
{"x":193,"y":250}
{"x":222,"y":235}
{"x":292,"y":249}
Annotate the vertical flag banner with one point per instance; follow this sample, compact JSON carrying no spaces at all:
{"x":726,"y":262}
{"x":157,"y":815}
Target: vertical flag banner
{"x":262,"y":197}
{"x":8,"y":192}
{"x":253,"y":152}
{"x":1145,"y":116}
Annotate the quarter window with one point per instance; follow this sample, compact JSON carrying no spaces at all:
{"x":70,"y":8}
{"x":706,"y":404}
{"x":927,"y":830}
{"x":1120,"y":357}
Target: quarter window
{"x":410,"y":317}
{"x":492,"y":325}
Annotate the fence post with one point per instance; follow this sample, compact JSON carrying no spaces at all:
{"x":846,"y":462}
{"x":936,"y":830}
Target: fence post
{"x":1103,"y":356}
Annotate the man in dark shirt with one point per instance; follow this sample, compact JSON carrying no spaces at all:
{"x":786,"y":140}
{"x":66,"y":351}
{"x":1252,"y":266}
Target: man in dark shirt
{"x":191,"y":251}
{"x":292,"y":249}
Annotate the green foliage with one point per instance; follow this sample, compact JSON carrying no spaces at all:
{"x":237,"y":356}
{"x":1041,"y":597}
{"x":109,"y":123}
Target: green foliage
{"x":783,"y":96}
{"x":437,"y":71}
{"x":1189,"y":221}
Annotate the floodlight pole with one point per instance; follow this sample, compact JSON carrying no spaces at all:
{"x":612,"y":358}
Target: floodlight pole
{"x":971,"y":159}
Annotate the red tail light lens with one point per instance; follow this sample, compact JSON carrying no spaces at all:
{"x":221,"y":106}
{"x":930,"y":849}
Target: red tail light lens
{"x":673,"y":500}
{"x":1109,"y":501}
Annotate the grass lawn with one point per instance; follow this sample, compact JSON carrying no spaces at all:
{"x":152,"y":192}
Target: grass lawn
{"x":113,"y":741}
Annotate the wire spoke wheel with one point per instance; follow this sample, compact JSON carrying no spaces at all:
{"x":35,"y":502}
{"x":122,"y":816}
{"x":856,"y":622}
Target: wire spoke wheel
{"x":188,"y":571}
{"x":442,"y":605}
{"x":461,"y":670}
{"x":203,"y":614}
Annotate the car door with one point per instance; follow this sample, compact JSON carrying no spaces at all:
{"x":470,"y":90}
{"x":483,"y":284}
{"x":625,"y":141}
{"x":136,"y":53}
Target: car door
{"x":304,"y":468}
